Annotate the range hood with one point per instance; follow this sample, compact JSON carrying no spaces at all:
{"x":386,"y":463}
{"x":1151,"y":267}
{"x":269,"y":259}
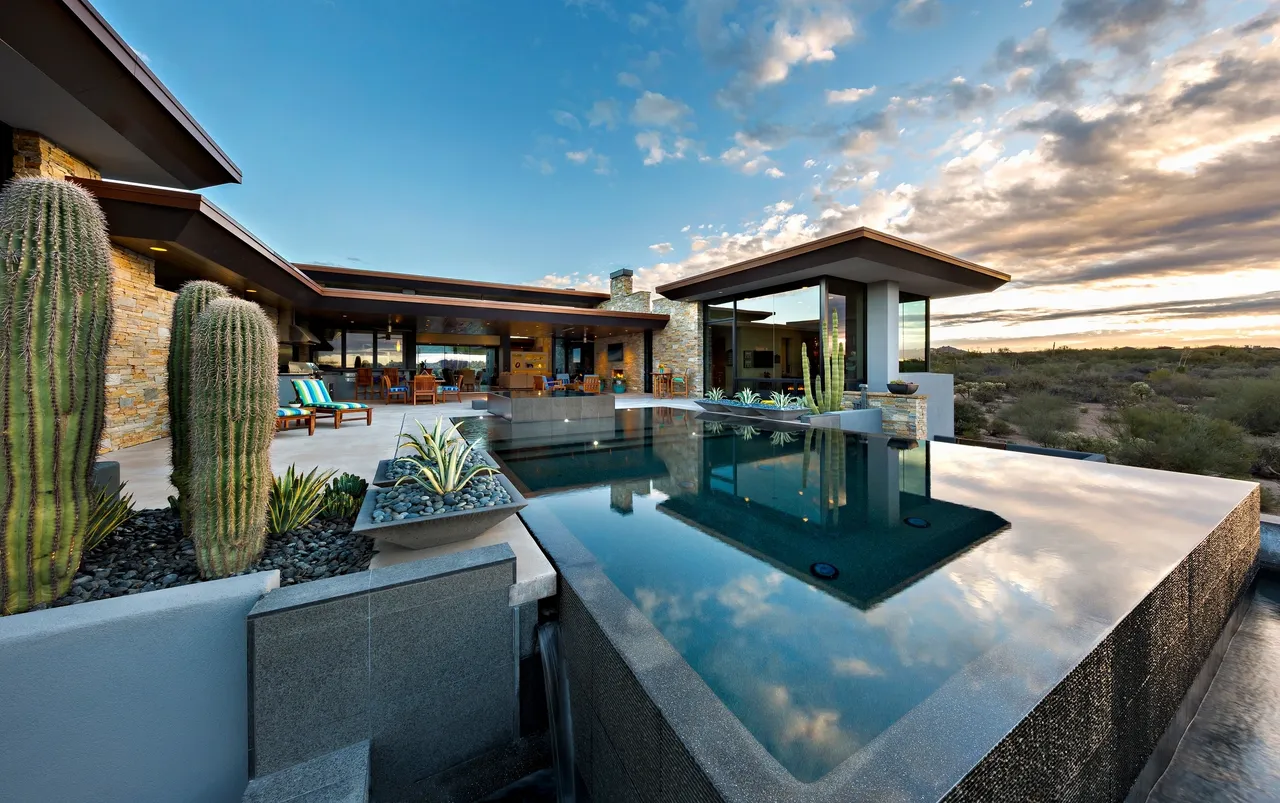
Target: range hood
{"x":301,"y":336}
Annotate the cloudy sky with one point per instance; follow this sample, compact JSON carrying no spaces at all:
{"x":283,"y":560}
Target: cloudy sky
{"x":1120,"y":158}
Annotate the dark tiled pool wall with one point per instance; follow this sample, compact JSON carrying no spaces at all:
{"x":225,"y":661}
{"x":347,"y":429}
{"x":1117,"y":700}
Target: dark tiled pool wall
{"x":419,"y":658}
{"x":624,"y":749}
{"x":1090,"y":737}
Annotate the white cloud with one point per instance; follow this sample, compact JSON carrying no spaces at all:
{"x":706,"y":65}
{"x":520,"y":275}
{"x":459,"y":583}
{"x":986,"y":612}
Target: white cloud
{"x":851,"y":95}
{"x":812,"y":39}
{"x":566,"y":119}
{"x":579,"y":157}
{"x":603,"y":113}
{"x":686,"y":228}
{"x":656,"y":109}
{"x":541,"y":165}
{"x":661,"y":249}
{"x":656,"y":151}
{"x":603,"y":165}
{"x":809,"y":164}
{"x":855,"y":667}
{"x":630,"y":80}
{"x":574,"y":281}
{"x":780,"y":208}
{"x":774,"y":172}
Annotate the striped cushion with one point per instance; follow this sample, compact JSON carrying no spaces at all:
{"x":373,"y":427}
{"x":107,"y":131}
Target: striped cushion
{"x":312,"y":392}
{"x":287,"y":412}
{"x":450,"y":388}
{"x":401,"y":389}
{"x":339,"y":406}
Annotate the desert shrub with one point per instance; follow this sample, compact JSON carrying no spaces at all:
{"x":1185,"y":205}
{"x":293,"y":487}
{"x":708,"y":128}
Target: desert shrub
{"x":1043,"y":418}
{"x":1266,"y":462}
{"x":1250,"y":403}
{"x":343,"y":497}
{"x":999,"y":428}
{"x":1141,"y":391}
{"x":1161,"y":435}
{"x":971,"y":419}
{"x":1182,"y":388}
{"x":1270,"y":500}
{"x":295,"y":499}
{"x":1028,"y":382}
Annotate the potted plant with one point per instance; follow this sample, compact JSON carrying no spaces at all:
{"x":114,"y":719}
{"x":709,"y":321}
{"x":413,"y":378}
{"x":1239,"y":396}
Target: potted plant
{"x":450,"y":495}
{"x":902,"y":387}
{"x":778,"y":407}
{"x":714,"y":401}
{"x":420,"y":447}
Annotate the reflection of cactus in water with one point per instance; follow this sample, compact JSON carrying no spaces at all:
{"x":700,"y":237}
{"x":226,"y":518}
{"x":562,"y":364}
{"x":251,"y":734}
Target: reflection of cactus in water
{"x":829,"y":444}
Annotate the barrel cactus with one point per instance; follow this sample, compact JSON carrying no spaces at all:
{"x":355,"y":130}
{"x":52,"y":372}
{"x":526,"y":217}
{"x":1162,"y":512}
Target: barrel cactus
{"x":830,"y":399}
{"x":230,"y":425}
{"x":191,"y":301}
{"x":55,"y":316}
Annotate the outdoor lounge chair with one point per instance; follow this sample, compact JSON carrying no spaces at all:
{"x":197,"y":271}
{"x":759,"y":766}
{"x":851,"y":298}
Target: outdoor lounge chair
{"x":394,"y":392}
{"x":288,"y":415}
{"x":313,"y":394}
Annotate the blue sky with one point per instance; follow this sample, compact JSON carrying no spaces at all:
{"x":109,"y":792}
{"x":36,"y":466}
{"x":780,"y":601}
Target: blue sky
{"x":554,"y":142}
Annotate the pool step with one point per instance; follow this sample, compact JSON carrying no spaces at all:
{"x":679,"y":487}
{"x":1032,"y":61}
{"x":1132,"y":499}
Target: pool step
{"x":1231,"y":751}
{"x":339,"y":777}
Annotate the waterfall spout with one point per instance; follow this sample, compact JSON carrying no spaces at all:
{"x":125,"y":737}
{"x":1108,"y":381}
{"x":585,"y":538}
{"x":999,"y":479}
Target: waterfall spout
{"x":559,"y":720}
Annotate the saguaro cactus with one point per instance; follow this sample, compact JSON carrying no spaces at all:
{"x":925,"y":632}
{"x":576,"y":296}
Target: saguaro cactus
{"x":191,"y":301}
{"x":829,"y":399}
{"x":55,"y":325}
{"x":231,"y":422}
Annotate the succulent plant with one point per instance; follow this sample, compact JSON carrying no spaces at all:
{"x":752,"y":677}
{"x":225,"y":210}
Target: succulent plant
{"x":344,"y":496}
{"x":830,"y":399}
{"x":55,"y":314}
{"x":427,"y":446}
{"x":783,"y":401}
{"x":715,"y":394}
{"x":234,"y":395}
{"x":191,"y":301}
{"x":746,"y":432}
{"x":106,"y":514}
{"x":296,"y":499}
{"x":746,"y":396}
{"x":447,"y":471}
{"x":781,"y":437}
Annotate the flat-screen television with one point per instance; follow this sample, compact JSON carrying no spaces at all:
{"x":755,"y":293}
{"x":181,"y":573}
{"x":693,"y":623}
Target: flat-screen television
{"x":757,"y":358}
{"x":615,"y":352}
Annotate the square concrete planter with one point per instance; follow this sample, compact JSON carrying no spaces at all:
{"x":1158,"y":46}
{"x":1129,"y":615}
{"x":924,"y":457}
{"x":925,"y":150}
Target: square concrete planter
{"x":765,"y":412}
{"x":381,"y":480}
{"x":710,"y":406}
{"x":445,"y":528}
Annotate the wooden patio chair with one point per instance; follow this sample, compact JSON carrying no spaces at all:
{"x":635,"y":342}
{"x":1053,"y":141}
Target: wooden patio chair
{"x":290,"y":415}
{"x":591,"y":384}
{"x":394,"y":393}
{"x":445,"y":390}
{"x":365,"y":385}
{"x":680,"y":384}
{"x":424,"y":387}
{"x":394,"y":373}
{"x":313,"y":395}
{"x":468,"y":379}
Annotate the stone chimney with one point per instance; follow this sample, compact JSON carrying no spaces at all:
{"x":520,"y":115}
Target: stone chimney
{"x":621,"y":283}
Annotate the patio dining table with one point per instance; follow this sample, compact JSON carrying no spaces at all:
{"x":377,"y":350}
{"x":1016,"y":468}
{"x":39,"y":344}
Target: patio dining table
{"x":663,"y":385}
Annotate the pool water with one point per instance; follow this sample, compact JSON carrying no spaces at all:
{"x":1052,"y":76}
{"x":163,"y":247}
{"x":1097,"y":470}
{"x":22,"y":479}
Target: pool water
{"x":821,"y":584}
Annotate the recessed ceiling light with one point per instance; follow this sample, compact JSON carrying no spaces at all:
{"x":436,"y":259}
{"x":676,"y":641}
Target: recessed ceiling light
{"x":250,"y":290}
{"x":158,"y":248}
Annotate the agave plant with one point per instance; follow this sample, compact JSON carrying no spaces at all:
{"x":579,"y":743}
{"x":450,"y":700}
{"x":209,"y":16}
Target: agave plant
{"x":747,"y":432}
{"x":447,"y":470}
{"x":343,"y":497}
{"x":427,"y":446}
{"x":784,"y":401}
{"x":746,"y":396}
{"x":780,"y":437}
{"x":106,"y":514}
{"x":714,"y":427}
{"x":295,"y":499}
{"x":715,"y":394}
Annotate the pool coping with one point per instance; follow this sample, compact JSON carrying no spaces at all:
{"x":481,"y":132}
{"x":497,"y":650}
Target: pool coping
{"x":740,"y":768}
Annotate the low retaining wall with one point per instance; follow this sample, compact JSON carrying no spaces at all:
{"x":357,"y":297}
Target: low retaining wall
{"x":136,"y":699}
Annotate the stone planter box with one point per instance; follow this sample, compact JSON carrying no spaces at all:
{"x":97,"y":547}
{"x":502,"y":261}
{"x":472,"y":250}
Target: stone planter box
{"x":767,"y":412}
{"x":443,"y":528}
{"x":710,"y":406}
{"x":382,"y":480}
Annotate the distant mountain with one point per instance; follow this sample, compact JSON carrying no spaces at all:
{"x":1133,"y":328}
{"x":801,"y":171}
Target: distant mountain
{"x":949,"y":350}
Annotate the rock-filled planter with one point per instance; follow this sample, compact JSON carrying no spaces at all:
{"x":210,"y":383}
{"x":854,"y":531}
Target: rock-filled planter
{"x":149,"y":552}
{"x":412,"y":517}
{"x":769,"y":411}
{"x":392,"y":469}
{"x":710,"y":406}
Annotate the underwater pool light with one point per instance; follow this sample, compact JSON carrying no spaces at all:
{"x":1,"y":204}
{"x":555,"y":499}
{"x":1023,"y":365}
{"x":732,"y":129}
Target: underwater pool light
{"x":916,"y":521}
{"x":824,"y":571}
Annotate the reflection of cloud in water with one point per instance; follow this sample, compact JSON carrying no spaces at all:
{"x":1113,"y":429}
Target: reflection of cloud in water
{"x":748,"y":597}
{"x":671,"y":613}
{"x":806,"y":734}
{"x":855,"y":667}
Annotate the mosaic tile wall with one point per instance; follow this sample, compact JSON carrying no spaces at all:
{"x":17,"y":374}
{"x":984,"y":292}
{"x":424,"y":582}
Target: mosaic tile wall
{"x":1086,"y":741}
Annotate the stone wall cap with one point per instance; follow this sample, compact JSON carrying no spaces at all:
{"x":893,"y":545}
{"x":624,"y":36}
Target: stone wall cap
{"x":621,"y":272}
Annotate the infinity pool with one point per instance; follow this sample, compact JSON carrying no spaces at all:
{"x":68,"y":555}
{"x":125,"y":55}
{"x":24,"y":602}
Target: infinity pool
{"x":824,"y":585}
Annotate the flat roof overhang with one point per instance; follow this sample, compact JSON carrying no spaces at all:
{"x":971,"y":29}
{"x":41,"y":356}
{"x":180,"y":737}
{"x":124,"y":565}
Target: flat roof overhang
{"x":436,"y":285}
{"x":861,"y":255}
{"x":69,"y":76}
{"x":200,"y":241}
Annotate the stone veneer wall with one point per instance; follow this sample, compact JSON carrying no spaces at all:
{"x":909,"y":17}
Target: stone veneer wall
{"x":137,"y":361}
{"x":34,"y":155}
{"x":679,"y":345}
{"x":633,"y":353}
{"x":902,"y":416}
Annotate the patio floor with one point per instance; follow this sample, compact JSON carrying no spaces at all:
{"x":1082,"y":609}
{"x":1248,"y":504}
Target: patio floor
{"x":355,"y":448}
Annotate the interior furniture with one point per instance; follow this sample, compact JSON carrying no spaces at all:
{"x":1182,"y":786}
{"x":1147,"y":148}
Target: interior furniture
{"x":394,"y":393}
{"x":591,"y":384}
{"x":467,"y":379}
{"x":662,"y":385}
{"x":424,"y":387}
{"x":289,"y":415}
{"x":393,"y":373}
{"x":314,"y":395}
{"x":680,"y":384}
{"x":365,"y":384}
{"x":445,"y":390}
{"x":512,"y":381}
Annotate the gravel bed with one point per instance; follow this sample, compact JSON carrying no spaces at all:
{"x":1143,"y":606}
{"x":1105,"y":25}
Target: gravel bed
{"x":150,"y":552}
{"x":411,"y":501}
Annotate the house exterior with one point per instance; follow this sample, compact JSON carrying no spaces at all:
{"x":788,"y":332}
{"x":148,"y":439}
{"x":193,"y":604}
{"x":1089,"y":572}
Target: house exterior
{"x":78,"y":104}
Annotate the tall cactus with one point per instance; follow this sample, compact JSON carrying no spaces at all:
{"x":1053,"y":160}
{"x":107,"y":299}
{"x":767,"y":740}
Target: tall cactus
{"x":232,"y":419}
{"x":831,"y":398}
{"x":191,"y":301}
{"x":55,"y":326}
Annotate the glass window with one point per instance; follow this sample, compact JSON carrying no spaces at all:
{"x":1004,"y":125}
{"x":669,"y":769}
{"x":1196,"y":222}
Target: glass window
{"x":330,"y":358}
{"x":391,"y":350}
{"x":359,"y":351}
{"x":772,"y":332}
{"x":913,"y":335}
{"x":848,"y":301}
{"x":719,"y":347}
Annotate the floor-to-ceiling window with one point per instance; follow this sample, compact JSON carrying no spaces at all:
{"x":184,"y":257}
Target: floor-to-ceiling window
{"x":358,"y":350}
{"x":913,"y":333}
{"x":451,"y":362}
{"x":390,"y":352}
{"x":718,"y":350}
{"x":847,"y":301}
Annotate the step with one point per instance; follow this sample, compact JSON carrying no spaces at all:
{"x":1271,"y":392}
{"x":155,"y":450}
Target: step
{"x":338,"y":777}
